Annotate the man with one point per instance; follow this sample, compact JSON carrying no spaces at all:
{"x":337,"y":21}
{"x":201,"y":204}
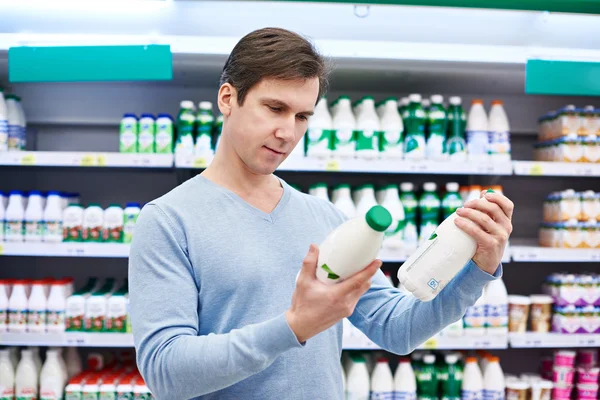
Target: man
{"x":216,"y":310}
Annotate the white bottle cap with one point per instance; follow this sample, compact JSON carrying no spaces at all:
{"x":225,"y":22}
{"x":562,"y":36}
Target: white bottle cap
{"x":451,"y":358}
{"x":415,"y":98}
{"x":437,"y":99}
{"x":425,"y":103}
{"x":429,"y":359}
{"x":455,"y":100}
{"x":205,"y":105}
{"x":589,"y":108}
{"x":404,"y":101}
{"x":452,"y":187}
{"x":430,"y":186}
{"x":570,"y":107}
{"x":187,"y":104}
{"x":407,"y":187}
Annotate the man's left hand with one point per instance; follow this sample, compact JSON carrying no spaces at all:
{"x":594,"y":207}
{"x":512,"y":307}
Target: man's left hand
{"x":489,"y":223}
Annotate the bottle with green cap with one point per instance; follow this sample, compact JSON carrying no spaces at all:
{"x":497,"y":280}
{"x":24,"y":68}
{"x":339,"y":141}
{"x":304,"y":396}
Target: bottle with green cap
{"x":427,"y":384}
{"x":367,"y":129}
{"x":204,"y":126}
{"x":391,"y":139}
{"x":437,"y":260}
{"x":186,"y":120}
{"x":414,"y":124}
{"x":353,"y":245}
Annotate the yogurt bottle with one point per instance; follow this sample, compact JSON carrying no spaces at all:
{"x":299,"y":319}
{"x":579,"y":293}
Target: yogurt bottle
{"x":22,"y":124}
{"x":391,"y":141}
{"x":56,"y":307}
{"x":358,"y":384}
{"x":53,"y":213}
{"x":34,"y":215}
{"x":410,"y":204}
{"x":17,"y":308}
{"x":93,"y":220}
{"x":365,"y":200}
{"x":456,"y":146}
{"x":36,"y":306}
{"x":147,"y":134}
{"x":436,"y":122}
{"x":185,"y":128}
{"x":128,"y":134}
{"x":319,"y":136}
{"x":382,"y":381}
{"x":477,"y":132}
{"x":499,"y":130}
{"x":343,"y":200}
{"x":14,"y":216}
{"x":394,"y":234}
{"x":344,"y":125}
{"x":7,"y":376}
{"x":472,"y":384}
{"x":429,"y":207}
{"x":368,"y":127}
{"x":26,"y":381}
{"x":73,"y":223}
{"x":130,"y":214}
{"x":164,"y":134}
{"x":405,"y":383}
{"x":414,"y":124}
{"x":113,"y":224}
{"x":14,"y":123}
{"x":204,"y":126}
{"x":4,"y":287}
{"x":3,"y":123}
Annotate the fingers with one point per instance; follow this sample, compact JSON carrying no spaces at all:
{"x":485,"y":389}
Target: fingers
{"x":360,"y":281}
{"x":474,"y":230}
{"x":504,"y":202}
{"x":493,"y":210}
{"x":485,"y":222}
{"x":309,"y":264}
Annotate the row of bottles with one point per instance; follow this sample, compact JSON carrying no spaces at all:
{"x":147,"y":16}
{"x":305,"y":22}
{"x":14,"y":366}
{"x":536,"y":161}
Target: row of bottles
{"x":198,"y":132}
{"x":13,"y":123}
{"x":417,"y":129}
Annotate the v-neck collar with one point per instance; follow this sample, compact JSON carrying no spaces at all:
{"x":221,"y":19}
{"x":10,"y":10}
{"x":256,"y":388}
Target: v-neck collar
{"x":270,"y":217}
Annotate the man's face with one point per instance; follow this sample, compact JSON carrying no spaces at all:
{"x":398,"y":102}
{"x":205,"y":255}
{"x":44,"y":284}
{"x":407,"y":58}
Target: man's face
{"x":272,"y":120}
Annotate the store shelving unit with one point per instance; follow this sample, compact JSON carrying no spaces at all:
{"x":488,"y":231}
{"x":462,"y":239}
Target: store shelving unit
{"x":530,"y":251}
{"x":67,"y":339}
{"x":84,"y":159}
{"x":544,"y":168}
{"x":68,"y":249}
{"x":553,"y":340}
{"x":358,"y":341}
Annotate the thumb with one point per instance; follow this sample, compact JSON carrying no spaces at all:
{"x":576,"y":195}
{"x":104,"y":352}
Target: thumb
{"x":309,"y":264}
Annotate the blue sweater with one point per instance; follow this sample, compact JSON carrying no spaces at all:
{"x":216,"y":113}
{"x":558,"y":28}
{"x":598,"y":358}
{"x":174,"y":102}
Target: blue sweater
{"x":211,"y":278}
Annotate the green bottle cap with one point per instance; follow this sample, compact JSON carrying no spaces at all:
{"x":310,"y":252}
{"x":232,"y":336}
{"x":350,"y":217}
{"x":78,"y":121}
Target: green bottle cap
{"x":378,"y":218}
{"x":490,"y":191}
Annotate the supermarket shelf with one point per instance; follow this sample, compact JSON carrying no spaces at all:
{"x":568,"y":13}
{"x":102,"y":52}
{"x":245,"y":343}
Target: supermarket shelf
{"x":67,"y":339}
{"x":399,"y":255}
{"x":552,"y":340}
{"x":84,"y":159}
{"x":100,"y":250}
{"x":530,"y":251}
{"x":544,"y":168}
{"x":356,"y":340}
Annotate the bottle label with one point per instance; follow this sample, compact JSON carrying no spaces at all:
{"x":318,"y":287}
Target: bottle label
{"x":33,"y":230}
{"x":318,"y":141}
{"x":128,"y":227}
{"x":414,"y":146}
{"x":478,"y":143}
{"x":27,"y":394}
{"x":2,"y":230}
{"x":73,"y":395}
{"x":146,"y":142}
{"x":128,"y":142}
{"x":471,"y":395}
{"x":430,"y":207}
{"x":497,"y":316}
{"x":382,"y":395}
{"x":475,"y":317}
{"x":185,"y":143}
{"x":164,"y":138}
{"x":17,"y":317}
{"x":499,"y":143}
{"x":52,"y":231}
{"x":399,"y":395}
{"x":124,"y":396}
{"x":49,"y":394}
{"x":493,"y":395}
{"x":90,"y":396}
{"x":456,"y":147}
{"x":36,"y":318}
{"x":92,"y":234}
{"x":367,"y":140}
{"x":107,"y":396}
{"x":203,"y":146}
{"x":3,"y":319}
{"x":3,"y":135}
{"x":55,"y":319}
{"x":437,"y":121}
{"x":7,"y":393}
{"x":13,"y":231}
{"x":450,"y":204}
{"x":435,"y":146}
{"x":14,"y":137}
{"x":142,"y":396}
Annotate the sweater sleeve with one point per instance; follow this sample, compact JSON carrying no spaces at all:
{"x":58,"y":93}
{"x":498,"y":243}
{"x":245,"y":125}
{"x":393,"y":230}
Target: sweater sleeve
{"x":400,"y":323}
{"x":175,"y":361}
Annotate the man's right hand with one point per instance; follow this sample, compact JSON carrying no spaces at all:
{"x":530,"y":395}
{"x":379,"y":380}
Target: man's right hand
{"x":317,"y":306}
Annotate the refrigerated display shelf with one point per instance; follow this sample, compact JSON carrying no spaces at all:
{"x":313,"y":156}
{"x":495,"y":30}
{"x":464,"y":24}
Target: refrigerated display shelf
{"x":528,"y":251}
{"x":84,"y":159}
{"x":545,"y":168}
{"x":553,"y":340}
{"x":67,"y":339}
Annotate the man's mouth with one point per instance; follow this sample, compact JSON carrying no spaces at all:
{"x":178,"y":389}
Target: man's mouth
{"x":274,"y":151}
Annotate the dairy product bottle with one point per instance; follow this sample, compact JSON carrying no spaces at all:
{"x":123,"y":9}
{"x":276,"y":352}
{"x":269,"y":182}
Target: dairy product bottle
{"x":112,"y":230}
{"x":353,"y":245}
{"x":205,"y":121}
{"x":7,"y":376}
{"x":14,"y":216}
{"x":382,"y":381}
{"x":366,"y":200}
{"x":14,"y":123}
{"x":496,"y":313}
{"x":380,"y":194}
{"x":410,"y":204}
{"x":391,"y":201}
{"x":477,"y":132}
{"x":36,"y":358}
{"x":436,"y":123}
{"x":474,"y":318}
{"x":414,"y":125}
{"x":451,"y":200}
{"x":147,"y":134}
{"x":405,"y":383}
{"x":357,"y":193}
{"x":53,"y":213}
{"x":22,"y":124}
{"x":343,"y":200}
{"x":3,"y":123}
{"x":34,"y":214}
{"x":391,"y":141}
{"x":116,"y":310}
{"x":427,"y":379}
{"x":73,"y":223}
{"x":456,"y":146}
{"x":93,"y":221}
{"x":14,"y":356}
{"x":451,"y":378}
{"x":36,"y":306}
{"x":499,"y":131}
{"x":61,"y":362}
{"x":128,"y":134}
{"x":217,"y":132}
{"x":52,"y":380}
{"x":474,"y":193}
{"x":319,"y":190}
{"x":429,"y":209}
{"x":359,"y":386}
{"x":2,"y":216}
{"x":367,"y":130}
{"x":56,"y":307}
{"x":130,"y":214}
{"x":26,"y":380}
{"x":319,"y":135}
{"x":185,"y":128}
{"x":493,"y":380}
{"x":438,"y":260}
{"x":344,"y":125}
{"x":4,"y":305}
{"x":75,"y":306}
{"x":164,"y":134}
{"x":17,"y":308}
{"x":96,"y":307}
{"x":472,"y":384}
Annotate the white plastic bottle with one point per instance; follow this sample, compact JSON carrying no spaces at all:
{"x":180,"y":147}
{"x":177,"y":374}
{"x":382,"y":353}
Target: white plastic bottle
{"x":405,"y":382}
{"x":36,"y":308}
{"x":319,"y":134}
{"x":14,"y":216}
{"x":493,"y":380}
{"x":352,"y":246}
{"x":4,"y":286}
{"x":112,"y":229}
{"x":93,"y":221}
{"x":429,"y":207}
{"x":14,"y":123}
{"x":34,"y":217}
{"x":26,"y":380}
{"x":36,"y":358}
{"x":472,"y":384}
{"x":344,"y":125}
{"x":73,"y":362}
{"x":437,"y":126}
{"x":359,"y":386}
{"x":130,"y":214}
{"x":496,"y":313}
{"x":53,"y":215}
{"x":7,"y":375}
{"x":52,"y":380}
{"x":394,"y":234}
{"x":410,"y":204}
{"x":366,"y":201}
{"x":368,"y":127}
{"x":3,"y":123}
{"x":437,"y":260}
{"x":17,"y":308}
{"x":392,"y":131}
{"x":382,"y":381}
{"x":474,"y":318}
{"x":61,"y":362}
{"x":477,"y":132}
{"x":2,"y":216}
{"x":319,"y":190}
{"x":56,"y":306}
{"x":343,"y":200}
{"x":499,"y":129}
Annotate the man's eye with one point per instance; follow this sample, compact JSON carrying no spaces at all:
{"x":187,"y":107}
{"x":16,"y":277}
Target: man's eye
{"x":274,"y":109}
{"x":302,"y":117}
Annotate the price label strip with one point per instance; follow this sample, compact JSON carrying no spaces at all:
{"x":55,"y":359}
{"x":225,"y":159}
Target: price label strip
{"x":332,"y":166}
{"x":87,"y":161}
{"x":28,"y":159}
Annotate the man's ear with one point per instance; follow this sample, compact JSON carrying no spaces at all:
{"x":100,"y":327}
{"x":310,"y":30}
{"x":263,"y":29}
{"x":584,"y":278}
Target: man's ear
{"x":226,"y":99}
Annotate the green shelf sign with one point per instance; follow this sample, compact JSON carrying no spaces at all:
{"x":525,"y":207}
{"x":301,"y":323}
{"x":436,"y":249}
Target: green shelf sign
{"x":562,"y":78}
{"x":90,"y":63}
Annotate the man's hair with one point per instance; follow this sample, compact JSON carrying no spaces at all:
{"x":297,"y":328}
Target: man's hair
{"x":273,"y":53}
